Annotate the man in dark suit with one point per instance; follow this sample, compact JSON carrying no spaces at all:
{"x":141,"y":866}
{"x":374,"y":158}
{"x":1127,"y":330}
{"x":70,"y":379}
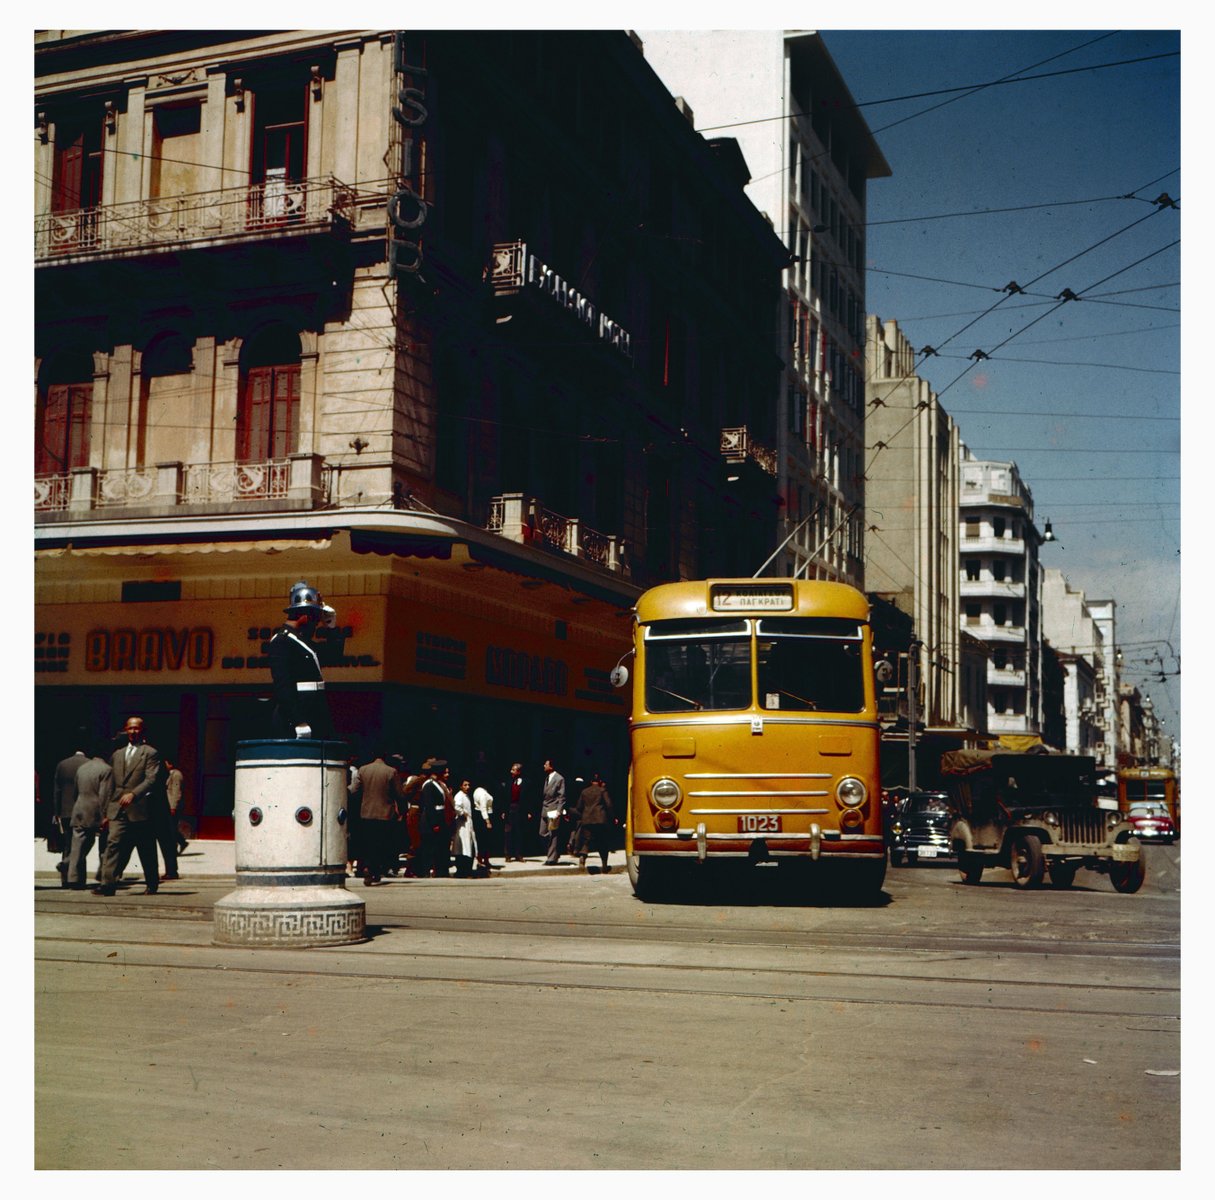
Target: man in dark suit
{"x":131,"y":810}
{"x":519,"y":813}
{"x":596,"y":819}
{"x":65,"y":800}
{"x":382,"y":797}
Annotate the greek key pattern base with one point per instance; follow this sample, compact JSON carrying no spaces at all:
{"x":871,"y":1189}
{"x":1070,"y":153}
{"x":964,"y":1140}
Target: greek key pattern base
{"x":290,"y":927}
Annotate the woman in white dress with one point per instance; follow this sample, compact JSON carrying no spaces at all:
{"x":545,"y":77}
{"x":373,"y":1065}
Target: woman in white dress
{"x":464,"y":839}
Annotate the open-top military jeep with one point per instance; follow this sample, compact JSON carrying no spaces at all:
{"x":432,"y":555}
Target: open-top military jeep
{"x":1036,"y":813}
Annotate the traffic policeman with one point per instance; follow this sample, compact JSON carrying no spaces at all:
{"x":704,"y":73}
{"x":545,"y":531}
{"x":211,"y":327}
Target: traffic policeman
{"x":300,"y":707}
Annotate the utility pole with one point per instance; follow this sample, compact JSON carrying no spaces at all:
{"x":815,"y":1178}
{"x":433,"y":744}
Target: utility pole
{"x":913,"y":672}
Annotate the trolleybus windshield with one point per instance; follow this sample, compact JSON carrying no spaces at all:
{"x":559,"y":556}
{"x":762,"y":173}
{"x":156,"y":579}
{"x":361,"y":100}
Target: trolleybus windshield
{"x":694,"y":665}
{"x":809,"y":664}
{"x":804,"y":664}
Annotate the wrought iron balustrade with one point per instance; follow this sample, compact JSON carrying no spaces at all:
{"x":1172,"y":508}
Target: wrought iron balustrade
{"x":277,"y":205}
{"x":52,"y":492}
{"x":737,"y":445}
{"x":212,"y":483}
{"x":524,"y":519}
{"x":115,"y":488}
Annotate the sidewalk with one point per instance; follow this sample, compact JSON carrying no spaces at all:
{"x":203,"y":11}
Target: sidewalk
{"x":217,"y":860}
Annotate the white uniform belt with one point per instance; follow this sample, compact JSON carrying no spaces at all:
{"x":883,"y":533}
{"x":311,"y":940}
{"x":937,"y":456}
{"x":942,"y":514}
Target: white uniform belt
{"x":318,"y":686}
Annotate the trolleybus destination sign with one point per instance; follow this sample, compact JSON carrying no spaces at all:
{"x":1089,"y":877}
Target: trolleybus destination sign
{"x":735,"y":599}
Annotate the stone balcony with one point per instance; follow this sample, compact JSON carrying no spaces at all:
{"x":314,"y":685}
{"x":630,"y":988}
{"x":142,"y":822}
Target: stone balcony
{"x":989,"y":544}
{"x":524,"y":519}
{"x":988,"y":631}
{"x":993,"y":588}
{"x":1006,"y":676}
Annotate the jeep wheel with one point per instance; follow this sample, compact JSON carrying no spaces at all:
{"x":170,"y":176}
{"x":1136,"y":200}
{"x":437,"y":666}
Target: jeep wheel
{"x":970,"y":867}
{"x":1063,"y":874}
{"x":1026,"y":862}
{"x":1128,"y":877}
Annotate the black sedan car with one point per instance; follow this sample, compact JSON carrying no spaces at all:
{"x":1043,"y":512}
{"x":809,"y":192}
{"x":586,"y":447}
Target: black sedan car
{"x":919,"y":830}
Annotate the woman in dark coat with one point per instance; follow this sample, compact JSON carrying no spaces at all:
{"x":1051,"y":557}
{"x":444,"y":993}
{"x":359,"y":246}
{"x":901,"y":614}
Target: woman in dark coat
{"x":595,"y":818}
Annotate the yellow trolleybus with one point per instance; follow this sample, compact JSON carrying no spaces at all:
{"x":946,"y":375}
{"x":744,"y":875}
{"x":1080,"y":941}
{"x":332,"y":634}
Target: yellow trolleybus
{"x":754,"y":731}
{"x":1145,"y":786}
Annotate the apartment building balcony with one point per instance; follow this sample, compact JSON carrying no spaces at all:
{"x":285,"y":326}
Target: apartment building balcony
{"x":524,"y":519}
{"x":998,"y":723}
{"x":997,"y":589}
{"x":989,"y":631}
{"x":275,"y":209}
{"x":1005,"y":676}
{"x":738,"y":446}
{"x":300,"y":481}
{"x":992,"y":545}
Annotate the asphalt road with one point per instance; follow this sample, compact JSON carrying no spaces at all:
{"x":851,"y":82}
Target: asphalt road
{"x":541,"y":1023}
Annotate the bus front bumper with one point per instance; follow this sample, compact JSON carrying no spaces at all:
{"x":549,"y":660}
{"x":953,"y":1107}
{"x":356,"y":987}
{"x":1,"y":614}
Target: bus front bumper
{"x":701,"y":844}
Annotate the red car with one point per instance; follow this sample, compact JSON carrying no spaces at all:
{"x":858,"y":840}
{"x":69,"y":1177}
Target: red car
{"x":1152,"y":823}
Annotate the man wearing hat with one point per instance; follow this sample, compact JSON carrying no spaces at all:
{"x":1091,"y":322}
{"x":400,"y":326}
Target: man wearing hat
{"x":300,"y":707}
{"x":437,"y":818}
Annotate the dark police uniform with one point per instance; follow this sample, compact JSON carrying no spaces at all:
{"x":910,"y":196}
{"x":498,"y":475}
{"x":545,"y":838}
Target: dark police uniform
{"x":299,"y":690}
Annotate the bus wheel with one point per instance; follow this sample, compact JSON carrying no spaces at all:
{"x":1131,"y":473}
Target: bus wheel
{"x":1026,"y":862}
{"x":970,"y":867}
{"x":650,"y":878}
{"x":1128,"y":877}
{"x":1063,"y":874}
{"x":865,"y":879}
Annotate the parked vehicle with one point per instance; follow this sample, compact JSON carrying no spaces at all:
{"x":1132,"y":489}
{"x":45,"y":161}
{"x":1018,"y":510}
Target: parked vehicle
{"x":1152,"y":823}
{"x":1034,"y":813}
{"x":920,"y":828}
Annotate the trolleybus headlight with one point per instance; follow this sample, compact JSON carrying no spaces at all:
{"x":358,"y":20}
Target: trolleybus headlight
{"x":850,"y":792}
{"x":665,"y":793}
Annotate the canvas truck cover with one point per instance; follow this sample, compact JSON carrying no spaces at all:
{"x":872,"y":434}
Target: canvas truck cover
{"x":1044,"y":778}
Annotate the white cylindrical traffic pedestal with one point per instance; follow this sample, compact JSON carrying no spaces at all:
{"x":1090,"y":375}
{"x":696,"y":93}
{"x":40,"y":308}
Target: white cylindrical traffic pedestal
{"x":291,"y":824}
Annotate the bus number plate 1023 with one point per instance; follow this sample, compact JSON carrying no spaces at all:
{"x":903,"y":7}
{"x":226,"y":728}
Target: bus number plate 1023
{"x":759,"y":823}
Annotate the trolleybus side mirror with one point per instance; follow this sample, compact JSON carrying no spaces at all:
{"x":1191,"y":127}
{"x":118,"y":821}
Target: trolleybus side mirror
{"x":619,"y":674}
{"x":884,"y":670}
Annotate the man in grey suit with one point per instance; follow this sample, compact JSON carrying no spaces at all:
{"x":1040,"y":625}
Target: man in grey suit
{"x":94,"y":786}
{"x":553,"y":800}
{"x":131,"y":810}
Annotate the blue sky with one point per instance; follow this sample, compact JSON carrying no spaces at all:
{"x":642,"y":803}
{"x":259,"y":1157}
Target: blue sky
{"x":1084,"y":396}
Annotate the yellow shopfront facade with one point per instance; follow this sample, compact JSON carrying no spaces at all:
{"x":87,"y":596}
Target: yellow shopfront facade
{"x":448,"y":643}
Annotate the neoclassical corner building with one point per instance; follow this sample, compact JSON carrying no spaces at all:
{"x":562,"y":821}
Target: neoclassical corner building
{"x":472,"y":331}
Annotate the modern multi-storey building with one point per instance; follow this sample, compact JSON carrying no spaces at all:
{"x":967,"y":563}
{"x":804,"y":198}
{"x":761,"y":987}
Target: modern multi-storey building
{"x":455,"y":326}
{"x":1001,"y":591}
{"x":911,"y":493}
{"x":811,"y":157}
{"x":1079,"y":643}
{"x":1109,"y":671}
